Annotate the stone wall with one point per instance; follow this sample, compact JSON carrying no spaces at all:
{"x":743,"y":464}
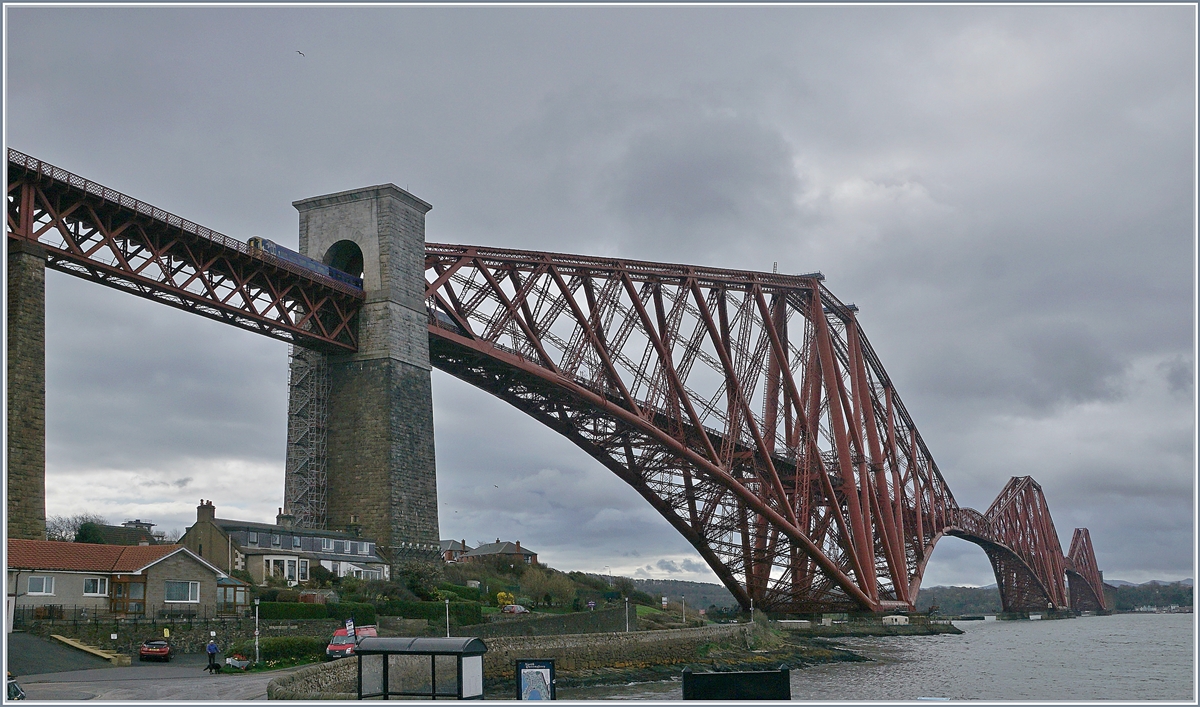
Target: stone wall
{"x":608,"y":650}
{"x":603,"y":621}
{"x":338,"y":680}
{"x":186,"y":636}
{"x":26,"y":341}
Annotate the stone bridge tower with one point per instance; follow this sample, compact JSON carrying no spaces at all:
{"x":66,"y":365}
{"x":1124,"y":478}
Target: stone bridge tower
{"x":360,"y":426}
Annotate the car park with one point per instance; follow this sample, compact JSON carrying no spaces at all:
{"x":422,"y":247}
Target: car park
{"x":156,"y":649}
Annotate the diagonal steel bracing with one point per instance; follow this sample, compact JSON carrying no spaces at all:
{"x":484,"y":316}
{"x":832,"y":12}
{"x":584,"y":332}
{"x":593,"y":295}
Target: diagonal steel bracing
{"x":748,"y":408}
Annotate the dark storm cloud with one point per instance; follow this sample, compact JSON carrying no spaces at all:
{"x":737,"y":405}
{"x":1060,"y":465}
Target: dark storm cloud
{"x":1006,"y":192}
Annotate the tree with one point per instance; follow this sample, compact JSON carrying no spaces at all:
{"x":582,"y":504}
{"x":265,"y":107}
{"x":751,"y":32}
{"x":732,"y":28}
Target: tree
{"x":89,"y":533}
{"x":536,"y":584}
{"x":64,"y":528}
{"x":561,"y":588}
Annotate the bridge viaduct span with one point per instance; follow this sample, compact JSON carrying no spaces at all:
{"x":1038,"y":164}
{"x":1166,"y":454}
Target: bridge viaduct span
{"x":749,"y":409}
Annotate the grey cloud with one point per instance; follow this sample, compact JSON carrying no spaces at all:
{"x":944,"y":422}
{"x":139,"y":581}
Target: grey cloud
{"x":668,"y":566}
{"x":1006,"y":192}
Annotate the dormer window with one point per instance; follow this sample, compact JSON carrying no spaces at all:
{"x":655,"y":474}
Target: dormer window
{"x":295,"y":541}
{"x":252,"y":538}
{"x":326,"y":544}
{"x":276,"y":540}
{"x":353,"y":548}
{"x":339,"y":546}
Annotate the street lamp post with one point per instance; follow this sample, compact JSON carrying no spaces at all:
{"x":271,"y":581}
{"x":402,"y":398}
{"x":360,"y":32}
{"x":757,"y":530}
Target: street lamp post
{"x":684,"y":609}
{"x":256,"y":657}
{"x":626,"y":614}
{"x":447,"y":618}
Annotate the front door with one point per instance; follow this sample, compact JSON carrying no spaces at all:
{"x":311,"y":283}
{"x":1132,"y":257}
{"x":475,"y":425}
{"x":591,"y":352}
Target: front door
{"x":129,"y":595}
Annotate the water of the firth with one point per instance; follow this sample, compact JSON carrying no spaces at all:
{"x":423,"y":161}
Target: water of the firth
{"x":1126,"y":657}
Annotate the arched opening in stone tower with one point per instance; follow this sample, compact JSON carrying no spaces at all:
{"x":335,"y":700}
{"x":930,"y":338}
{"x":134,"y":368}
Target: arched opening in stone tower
{"x":345,"y":256}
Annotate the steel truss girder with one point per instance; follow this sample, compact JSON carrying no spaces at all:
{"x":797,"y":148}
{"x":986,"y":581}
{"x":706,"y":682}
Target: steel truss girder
{"x":753,"y":412}
{"x":1085,"y":583}
{"x":99,"y":234}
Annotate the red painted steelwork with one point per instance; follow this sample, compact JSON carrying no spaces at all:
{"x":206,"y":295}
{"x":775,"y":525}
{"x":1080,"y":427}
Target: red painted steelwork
{"x":1085,"y":582}
{"x":102,"y":235}
{"x":748,"y":408}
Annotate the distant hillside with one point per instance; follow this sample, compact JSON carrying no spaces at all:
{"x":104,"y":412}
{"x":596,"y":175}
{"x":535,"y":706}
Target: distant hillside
{"x":1128,"y":597}
{"x":698,"y":594}
{"x":960,"y":601}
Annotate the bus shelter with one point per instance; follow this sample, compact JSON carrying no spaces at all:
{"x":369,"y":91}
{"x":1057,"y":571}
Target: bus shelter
{"x":424,"y":668}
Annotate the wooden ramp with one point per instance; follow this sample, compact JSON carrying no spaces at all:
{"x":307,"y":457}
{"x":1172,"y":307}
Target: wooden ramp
{"x":112,"y":657}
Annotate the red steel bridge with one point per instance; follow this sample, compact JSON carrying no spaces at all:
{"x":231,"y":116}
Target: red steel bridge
{"x":748,"y":408}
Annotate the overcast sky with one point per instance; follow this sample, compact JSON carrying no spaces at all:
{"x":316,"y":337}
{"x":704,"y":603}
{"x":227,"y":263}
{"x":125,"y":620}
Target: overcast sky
{"x":1006,"y":193}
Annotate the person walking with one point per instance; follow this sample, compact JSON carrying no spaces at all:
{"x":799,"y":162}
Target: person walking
{"x":212,"y":657}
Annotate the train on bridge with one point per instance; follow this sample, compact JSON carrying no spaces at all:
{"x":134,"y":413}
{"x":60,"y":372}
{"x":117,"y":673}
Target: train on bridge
{"x":263,"y":245}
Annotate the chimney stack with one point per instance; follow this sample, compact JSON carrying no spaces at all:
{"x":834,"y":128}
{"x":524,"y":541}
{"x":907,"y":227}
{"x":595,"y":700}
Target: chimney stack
{"x":285,"y":520}
{"x":205,"y":511}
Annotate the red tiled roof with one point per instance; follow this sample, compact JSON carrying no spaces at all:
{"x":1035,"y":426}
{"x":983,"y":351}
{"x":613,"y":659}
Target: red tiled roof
{"x":84,"y":557}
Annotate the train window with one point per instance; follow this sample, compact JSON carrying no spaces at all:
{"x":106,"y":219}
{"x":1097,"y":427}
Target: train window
{"x":345,"y":256}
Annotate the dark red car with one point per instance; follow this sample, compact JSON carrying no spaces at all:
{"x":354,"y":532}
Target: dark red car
{"x":156,"y":648}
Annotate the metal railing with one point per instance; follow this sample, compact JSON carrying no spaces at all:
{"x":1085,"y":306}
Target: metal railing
{"x":170,"y":612}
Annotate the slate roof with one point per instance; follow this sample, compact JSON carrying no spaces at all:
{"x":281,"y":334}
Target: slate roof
{"x":455,"y":545}
{"x":86,"y":557}
{"x":121,"y":535}
{"x":500,"y":548}
{"x":228,"y":524}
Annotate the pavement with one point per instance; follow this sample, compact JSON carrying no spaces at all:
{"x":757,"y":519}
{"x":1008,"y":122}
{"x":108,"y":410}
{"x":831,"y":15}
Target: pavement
{"x":87,"y":677}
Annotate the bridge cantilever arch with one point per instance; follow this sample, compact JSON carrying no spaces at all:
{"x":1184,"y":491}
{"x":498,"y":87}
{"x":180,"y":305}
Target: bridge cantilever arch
{"x":748,"y":408}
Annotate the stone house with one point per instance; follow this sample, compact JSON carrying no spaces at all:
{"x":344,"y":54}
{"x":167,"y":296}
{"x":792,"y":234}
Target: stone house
{"x":281,"y":549}
{"x":123,"y":581}
{"x":513,"y":552}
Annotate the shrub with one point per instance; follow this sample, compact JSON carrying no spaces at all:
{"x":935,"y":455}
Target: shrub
{"x":363,"y":614}
{"x":462,"y":612}
{"x":468,"y":593}
{"x":287,"y":595}
{"x":287,"y":648}
{"x":291,"y":610}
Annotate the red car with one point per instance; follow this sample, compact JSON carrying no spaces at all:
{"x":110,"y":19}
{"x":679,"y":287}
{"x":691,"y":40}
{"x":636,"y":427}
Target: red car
{"x":155,"y":648}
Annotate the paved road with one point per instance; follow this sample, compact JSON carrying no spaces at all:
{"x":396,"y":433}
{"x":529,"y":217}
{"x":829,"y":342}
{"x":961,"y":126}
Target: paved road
{"x":183,"y":678}
{"x":29,"y":655}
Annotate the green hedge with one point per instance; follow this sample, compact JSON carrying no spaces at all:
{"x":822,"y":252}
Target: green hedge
{"x":364,"y":614}
{"x":283,"y":648}
{"x":289,"y":610}
{"x":463,"y":613}
{"x":468,"y":593}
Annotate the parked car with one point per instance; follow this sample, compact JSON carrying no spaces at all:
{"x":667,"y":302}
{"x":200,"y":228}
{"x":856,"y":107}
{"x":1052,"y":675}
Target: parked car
{"x":155,"y":648}
{"x":514,"y":609}
{"x":342,"y":645}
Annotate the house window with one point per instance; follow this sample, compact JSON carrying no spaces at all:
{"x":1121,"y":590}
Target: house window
{"x":276,"y":539}
{"x":96,"y":586}
{"x":337,"y":569}
{"x":303,"y":570}
{"x":252,"y":538}
{"x":181,"y":592}
{"x":365,"y":549}
{"x":295,"y":541}
{"x":339,"y":546}
{"x":353,"y":548}
{"x":41,"y":585}
{"x":291,"y":570}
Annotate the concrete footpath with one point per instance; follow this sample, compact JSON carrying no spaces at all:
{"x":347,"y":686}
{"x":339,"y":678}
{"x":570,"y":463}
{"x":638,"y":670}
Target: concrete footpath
{"x":80,"y":676}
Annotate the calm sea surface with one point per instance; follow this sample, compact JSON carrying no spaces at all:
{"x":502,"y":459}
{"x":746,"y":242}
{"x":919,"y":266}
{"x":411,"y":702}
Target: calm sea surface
{"x":1123,"y":657}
